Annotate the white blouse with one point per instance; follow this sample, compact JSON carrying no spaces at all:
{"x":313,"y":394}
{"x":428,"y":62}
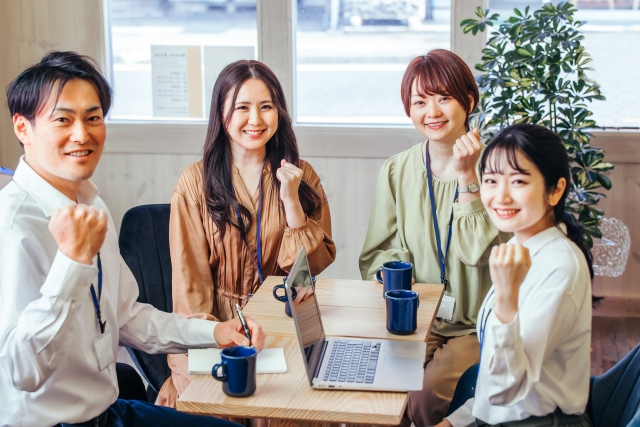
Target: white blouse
{"x":541,"y":360}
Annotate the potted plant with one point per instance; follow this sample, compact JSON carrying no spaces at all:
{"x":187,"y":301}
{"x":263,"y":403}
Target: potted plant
{"x":534,"y":71}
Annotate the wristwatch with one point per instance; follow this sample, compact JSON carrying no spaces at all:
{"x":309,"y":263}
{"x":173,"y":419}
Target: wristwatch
{"x":471,"y":188}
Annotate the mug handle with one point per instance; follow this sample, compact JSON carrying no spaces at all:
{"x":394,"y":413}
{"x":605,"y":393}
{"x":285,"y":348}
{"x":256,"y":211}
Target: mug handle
{"x":214,"y":372}
{"x":283,"y":298}
{"x":379,"y":275}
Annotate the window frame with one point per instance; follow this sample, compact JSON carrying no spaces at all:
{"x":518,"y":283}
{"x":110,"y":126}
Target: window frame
{"x":277,"y":48}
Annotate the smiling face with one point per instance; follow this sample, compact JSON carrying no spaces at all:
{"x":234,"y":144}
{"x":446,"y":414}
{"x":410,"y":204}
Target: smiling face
{"x":517,"y":198}
{"x":255,"y":117}
{"x":438,"y":117}
{"x":65,"y":141}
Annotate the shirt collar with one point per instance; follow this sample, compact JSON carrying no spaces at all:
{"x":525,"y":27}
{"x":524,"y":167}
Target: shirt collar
{"x":537,"y":242}
{"x":47,"y":196}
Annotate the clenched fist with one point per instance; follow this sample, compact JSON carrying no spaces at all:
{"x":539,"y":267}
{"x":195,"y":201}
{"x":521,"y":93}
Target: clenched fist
{"x":290,"y":177}
{"x":508,"y":265}
{"x":466,"y":152}
{"x":79,"y":231}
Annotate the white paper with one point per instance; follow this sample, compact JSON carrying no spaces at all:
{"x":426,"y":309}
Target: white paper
{"x":270,"y":361}
{"x":169,"y":81}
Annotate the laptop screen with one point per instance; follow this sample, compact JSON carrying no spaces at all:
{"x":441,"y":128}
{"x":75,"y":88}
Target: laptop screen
{"x":306,"y":314}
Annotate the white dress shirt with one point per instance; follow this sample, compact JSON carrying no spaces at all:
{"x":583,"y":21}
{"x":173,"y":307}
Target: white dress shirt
{"x":48,"y":371}
{"x":541,"y":360}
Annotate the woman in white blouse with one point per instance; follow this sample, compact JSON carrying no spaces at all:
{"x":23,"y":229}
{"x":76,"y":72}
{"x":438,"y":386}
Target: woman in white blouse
{"x":534,"y":326}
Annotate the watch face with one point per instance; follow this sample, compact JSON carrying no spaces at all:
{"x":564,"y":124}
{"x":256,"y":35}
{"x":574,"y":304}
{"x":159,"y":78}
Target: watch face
{"x":473,"y":187}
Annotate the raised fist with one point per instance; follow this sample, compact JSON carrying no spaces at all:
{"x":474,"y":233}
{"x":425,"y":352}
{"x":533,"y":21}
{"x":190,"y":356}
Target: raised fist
{"x":79,"y":231}
{"x":466,"y":152}
{"x":290,"y":177}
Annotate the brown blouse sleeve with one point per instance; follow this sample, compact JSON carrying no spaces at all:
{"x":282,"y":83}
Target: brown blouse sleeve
{"x":192,"y":281}
{"x":314,"y":235}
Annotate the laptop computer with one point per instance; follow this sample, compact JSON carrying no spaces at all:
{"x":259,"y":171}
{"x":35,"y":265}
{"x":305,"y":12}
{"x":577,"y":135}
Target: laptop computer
{"x":348,"y":363}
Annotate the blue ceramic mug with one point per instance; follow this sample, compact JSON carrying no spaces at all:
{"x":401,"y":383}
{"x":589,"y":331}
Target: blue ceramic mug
{"x":238,"y":368}
{"x":402,"y":311}
{"x":294,"y":294}
{"x":397,"y":275}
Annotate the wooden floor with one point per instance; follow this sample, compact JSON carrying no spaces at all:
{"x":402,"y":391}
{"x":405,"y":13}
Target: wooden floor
{"x":611,"y":339}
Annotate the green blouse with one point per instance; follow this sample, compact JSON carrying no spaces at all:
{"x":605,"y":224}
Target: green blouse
{"x":401,"y":228}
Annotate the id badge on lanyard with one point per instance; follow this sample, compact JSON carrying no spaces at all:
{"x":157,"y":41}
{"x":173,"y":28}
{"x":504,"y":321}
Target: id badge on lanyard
{"x":448,"y":304}
{"x":102,"y":344}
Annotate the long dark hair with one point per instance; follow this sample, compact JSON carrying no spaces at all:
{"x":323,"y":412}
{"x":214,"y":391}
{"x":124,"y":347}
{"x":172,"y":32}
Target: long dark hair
{"x":221,"y":202}
{"x":545,"y":150}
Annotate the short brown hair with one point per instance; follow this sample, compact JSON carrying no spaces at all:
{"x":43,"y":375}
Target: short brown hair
{"x":441,"y":72}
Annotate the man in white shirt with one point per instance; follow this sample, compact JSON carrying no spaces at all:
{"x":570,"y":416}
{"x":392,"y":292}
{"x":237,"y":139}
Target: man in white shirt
{"x":67,"y":298}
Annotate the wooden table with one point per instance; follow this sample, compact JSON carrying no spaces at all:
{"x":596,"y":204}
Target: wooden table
{"x":348,"y":308}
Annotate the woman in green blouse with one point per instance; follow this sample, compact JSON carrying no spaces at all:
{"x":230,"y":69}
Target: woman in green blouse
{"x":438,"y":92}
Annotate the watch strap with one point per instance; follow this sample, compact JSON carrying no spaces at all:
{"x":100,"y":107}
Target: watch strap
{"x":469,"y":188}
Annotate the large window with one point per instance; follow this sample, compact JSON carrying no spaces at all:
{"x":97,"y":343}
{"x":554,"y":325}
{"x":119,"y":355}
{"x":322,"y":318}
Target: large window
{"x":351,"y":55}
{"x":612,"y":37}
{"x":166,"y":54}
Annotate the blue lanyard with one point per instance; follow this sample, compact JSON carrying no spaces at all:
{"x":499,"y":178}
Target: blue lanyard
{"x":484,"y":320}
{"x":96,"y":299}
{"x":259,"y":226}
{"x":442,"y":258}
{"x":6,"y":171}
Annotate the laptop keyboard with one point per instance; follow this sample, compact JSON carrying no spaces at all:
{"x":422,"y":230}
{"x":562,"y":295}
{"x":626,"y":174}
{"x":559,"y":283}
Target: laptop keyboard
{"x":353,"y":362}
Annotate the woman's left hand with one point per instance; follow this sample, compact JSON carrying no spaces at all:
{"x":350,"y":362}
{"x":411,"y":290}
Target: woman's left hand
{"x":444,"y":423}
{"x":290,"y":177}
{"x":466,"y":152}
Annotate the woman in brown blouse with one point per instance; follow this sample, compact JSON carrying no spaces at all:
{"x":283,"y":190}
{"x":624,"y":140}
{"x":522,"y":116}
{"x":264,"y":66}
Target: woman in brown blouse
{"x":251,"y":183}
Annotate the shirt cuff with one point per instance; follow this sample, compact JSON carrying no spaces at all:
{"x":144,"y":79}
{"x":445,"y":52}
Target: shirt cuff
{"x":303,"y":227}
{"x":473,"y":207}
{"x":68,"y":279}
{"x":201,"y":333}
{"x":462,"y":417}
{"x":505,"y":335}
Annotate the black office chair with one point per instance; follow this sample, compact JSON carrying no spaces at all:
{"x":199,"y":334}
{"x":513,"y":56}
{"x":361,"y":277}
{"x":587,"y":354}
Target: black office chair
{"x":614,"y":398}
{"x":465,"y":389}
{"x":144,"y":246}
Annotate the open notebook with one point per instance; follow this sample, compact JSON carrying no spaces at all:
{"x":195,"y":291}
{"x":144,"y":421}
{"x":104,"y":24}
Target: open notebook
{"x":270,"y":361}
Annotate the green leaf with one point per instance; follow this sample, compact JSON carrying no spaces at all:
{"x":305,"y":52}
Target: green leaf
{"x":604,"y":181}
{"x":524,"y":52}
{"x":534,"y":70}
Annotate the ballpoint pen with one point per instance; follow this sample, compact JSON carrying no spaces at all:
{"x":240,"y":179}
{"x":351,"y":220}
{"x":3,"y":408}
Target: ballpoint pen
{"x":244,"y":324}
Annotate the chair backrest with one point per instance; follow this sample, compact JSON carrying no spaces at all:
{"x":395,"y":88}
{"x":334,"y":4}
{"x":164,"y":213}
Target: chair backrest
{"x":144,"y":246}
{"x":465,"y":389}
{"x":5,"y":176}
{"x":615,"y":395}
